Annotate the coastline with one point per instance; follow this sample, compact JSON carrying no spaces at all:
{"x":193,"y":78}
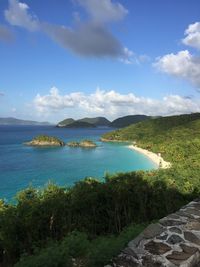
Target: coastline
{"x":157,"y":159}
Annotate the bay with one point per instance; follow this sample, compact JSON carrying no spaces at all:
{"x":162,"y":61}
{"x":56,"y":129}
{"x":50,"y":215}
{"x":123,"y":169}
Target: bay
{"x":21,"y":166}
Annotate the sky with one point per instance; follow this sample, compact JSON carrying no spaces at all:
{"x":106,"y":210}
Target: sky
{"x":77,"y":58}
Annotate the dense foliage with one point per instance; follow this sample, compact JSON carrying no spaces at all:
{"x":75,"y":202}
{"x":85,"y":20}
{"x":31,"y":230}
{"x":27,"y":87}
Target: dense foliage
{"x":46,"y":138}
{"x":77,"y":248}
{"x":177,"y":138}
{"x":84,"y":224}
{"x":128,"y":120}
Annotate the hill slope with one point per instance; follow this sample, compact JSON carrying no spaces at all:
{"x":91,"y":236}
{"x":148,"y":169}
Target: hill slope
{"x":84,"y":122}
{"x":14,"y":121}
{"x":65,"y":122}
{"x":128,"y":120}
{"x":176,"y":137}
{"x":98,"y":121}
{"x":80,"y":124}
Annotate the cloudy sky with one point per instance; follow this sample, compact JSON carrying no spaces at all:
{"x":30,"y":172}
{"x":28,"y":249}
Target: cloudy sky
{"x":76,"y":58}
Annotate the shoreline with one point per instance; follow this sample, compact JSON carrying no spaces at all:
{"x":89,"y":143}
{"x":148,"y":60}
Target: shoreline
{"x":157,"y":159}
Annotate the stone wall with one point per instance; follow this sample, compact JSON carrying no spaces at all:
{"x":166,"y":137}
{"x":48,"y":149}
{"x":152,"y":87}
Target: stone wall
{"x":173,"y":241}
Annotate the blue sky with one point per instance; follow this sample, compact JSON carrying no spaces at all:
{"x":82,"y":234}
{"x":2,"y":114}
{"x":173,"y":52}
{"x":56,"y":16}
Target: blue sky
{"x":75,"y":58}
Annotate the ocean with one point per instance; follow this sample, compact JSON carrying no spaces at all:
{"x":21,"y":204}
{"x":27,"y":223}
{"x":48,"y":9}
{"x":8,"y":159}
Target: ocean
{"x":21,"y":165}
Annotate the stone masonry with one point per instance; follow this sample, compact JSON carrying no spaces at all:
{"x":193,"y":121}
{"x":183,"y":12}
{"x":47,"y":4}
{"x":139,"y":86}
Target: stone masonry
{"x":173,"y":241}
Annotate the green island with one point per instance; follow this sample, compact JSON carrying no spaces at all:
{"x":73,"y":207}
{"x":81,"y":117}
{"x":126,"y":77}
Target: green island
{"x":45,"y":140}
{"x":88,"y":224}
{"x":83,"y":144}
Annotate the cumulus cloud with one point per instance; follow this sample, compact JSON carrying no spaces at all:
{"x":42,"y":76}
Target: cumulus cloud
{"x":17,"y":15}
{"x":103,"y":11}
{"x":6,"y":34}
{"x":90,"y":38}
{"x":192,"y":35}
{"x":2,"y":94}
{"x":182,"y":65}
{"x":113,"y":104}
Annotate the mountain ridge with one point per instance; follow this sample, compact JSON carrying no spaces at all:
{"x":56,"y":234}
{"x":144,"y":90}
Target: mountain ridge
{"x":15,"y":121}
{"x":102,"y":121}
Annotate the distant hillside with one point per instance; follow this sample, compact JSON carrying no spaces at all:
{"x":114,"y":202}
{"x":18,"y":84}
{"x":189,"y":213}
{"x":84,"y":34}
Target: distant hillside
{"x":128,"y":120}
{"x":14,"y":121}
{"x":176,"y":137}
{"x":80,"y":124}
{"x":98,"y":121}
{"x":65,"y":122}
{"x":85,"y":122}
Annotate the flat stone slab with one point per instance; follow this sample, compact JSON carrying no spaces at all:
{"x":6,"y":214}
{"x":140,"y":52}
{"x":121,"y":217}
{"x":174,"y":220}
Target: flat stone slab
{"x":157,"y":248}
{"x":173,"y":241}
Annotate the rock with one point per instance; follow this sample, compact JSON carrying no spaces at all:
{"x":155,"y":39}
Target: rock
{"x":135,"y":242}
{"x":184,"y":214}
{"x":166,"y":222}
{"x":175,"y":230}
{"x":152,"y":230}
{"x":188,"y":249}
{"x":189,"y":236}
{"x":191,"y":211}
{"x":174,"y":239}
{"x":157,"y":248}
{"x":149,"y":262}
{"x":162,"y":237}
{"x":177,"y":257}
{"x":174,"y":216}
{"x":131,"y":252}
{"x":193,"y":225}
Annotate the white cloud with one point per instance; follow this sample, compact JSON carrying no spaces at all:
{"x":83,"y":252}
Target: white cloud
{"x":192,"y":35}
{"x":113,"y":104}
{"x":104,"y":10}
{"x":90,"y":38}
{"x":17,"y":15}
{"x":182,"y":65}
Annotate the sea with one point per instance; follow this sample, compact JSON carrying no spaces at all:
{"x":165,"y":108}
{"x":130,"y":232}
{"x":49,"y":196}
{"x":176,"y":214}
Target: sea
{"x":22,"y":166}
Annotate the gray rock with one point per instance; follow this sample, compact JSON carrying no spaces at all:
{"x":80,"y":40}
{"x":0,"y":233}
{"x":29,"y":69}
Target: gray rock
{"x":157,"y":248}
{"x":174,"y":239}
{"x":175,"y":230}
{"x":189,"y":236}
{"x":166,"y":222}
{"x":152,"y":230}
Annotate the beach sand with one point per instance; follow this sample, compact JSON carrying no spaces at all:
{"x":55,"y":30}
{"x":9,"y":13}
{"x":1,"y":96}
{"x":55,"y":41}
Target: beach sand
{"x":156,"y":158}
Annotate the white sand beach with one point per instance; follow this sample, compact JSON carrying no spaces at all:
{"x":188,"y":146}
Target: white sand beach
{"x":156,"y":158}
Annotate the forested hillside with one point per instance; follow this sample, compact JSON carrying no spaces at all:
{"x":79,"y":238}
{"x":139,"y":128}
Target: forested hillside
{"x":89,"y":223}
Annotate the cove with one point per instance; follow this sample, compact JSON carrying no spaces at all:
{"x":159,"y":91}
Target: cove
{"x":21,"y":166}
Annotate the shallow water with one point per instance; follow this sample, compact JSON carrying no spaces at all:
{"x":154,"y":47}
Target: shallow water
{"x":21,"y":165}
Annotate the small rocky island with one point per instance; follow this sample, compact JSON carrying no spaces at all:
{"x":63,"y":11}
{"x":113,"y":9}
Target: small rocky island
{"x":45,"y":140}
{"x":83,"y":144}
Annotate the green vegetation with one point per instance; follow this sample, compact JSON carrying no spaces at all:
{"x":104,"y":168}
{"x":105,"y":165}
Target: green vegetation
{"x":85,"y":122}
{"x":45,"y":140}
{"x":77,"y":248}
{"x":128,"y":120}
{"x":89,"y":223}
{"x":98,"y":121}
{"x":84,"y":143}
{"x":80,"y":124}
{"x":177,"y":139}
{"x":65,"y":122}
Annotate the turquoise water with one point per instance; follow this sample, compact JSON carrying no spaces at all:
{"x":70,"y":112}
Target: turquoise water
{"x":21,"y":165}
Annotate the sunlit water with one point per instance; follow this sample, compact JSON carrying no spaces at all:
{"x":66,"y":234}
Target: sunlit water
{"x":22,"y":165}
